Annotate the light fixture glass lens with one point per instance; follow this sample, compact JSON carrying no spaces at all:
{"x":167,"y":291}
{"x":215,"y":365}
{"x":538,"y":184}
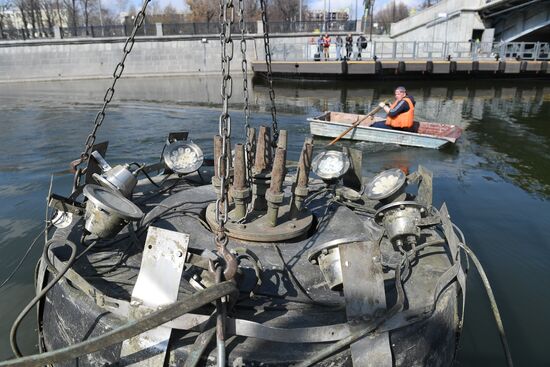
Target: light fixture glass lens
{"x":331,"y":164}
{"x":183,"y":157}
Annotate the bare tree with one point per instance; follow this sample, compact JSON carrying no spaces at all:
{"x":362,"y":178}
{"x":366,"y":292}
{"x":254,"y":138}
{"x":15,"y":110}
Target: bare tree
{"x":284,"y":10}
{"x":72,"y":12}
{"x":5,"y":5}
{"x":391,"y":13}
{"x":86,"y":14}
{"x":202,"y":10}
{"x":427,"y":3}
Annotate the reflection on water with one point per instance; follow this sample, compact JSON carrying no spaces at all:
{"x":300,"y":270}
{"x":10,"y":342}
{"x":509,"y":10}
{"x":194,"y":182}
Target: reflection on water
{"x":496,"y":180}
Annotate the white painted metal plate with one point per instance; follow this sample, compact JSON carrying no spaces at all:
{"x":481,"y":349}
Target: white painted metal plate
{"x":157,"y":285}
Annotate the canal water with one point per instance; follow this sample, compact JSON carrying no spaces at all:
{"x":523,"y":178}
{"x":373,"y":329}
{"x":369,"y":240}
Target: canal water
{"x":495,"y":181}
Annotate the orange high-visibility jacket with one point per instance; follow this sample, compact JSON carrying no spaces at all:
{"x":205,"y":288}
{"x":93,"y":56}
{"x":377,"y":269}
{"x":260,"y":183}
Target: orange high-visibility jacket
{"x":403,"y":120}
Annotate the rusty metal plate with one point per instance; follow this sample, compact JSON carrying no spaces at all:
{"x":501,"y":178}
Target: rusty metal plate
{"x":157,"y":285}
{"x":257,"y":229}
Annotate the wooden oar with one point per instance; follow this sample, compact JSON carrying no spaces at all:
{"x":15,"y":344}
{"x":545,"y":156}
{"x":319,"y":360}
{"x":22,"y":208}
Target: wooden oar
{"x":356,"y":123}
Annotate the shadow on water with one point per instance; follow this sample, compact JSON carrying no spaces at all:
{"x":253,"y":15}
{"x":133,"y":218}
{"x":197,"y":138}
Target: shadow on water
{"x":496,"y":180}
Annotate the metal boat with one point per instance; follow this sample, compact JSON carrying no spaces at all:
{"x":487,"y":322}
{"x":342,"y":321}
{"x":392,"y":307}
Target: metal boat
{"x":428,"y":134}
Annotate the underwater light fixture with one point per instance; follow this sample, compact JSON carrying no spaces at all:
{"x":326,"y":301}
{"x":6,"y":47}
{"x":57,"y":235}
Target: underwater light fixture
{"x":385,"y":184}
{"x":183,"y":156}
{"x":330,"y":165}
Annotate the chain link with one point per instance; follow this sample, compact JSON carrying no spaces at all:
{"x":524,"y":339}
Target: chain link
{"x":227,"y":16}
{"x":267,"y":50}
{"x":128,"y":45}
{"x":246,"y":108}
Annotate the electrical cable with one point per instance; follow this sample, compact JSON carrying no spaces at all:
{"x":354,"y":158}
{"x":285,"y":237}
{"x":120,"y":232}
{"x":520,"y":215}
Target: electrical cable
{"x":30,"y":305}
{"x":369,"y":328}
{"x":131,"y":329}
{"x":22,"y":260}
{"x":490,"y":295}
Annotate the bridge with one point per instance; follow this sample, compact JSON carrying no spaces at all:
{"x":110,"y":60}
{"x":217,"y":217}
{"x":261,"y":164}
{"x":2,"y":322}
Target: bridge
{"x":483,"y":20}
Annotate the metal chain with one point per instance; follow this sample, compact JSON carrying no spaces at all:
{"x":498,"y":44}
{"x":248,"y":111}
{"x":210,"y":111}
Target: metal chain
{"x":267,"y":50}
{"x":244,"y":69}
{"x":90,"y":140}
{"x":227,"y":16}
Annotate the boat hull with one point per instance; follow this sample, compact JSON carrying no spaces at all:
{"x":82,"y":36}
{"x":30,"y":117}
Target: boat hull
{"x":429,"y":135}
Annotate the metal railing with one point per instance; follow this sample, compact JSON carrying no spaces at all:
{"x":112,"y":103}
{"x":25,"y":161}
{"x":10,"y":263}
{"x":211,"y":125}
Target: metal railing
{"x":203,"y":28}
{"x":420,"y":50}
{"x":313,"y":26}
{"x":188,"y":28}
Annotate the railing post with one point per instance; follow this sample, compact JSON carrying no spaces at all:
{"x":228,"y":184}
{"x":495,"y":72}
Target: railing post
{"x":260,"y":27}
{"x":394,"y":50}
{"x":537,"y":51}
{"x":158,"y":26}
{"x":57,"y":32}
{"x":414,"y":50}
{"x":373,"y":48}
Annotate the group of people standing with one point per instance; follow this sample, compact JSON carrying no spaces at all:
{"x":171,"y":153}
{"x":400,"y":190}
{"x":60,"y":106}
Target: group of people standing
{"x":324,"y":42}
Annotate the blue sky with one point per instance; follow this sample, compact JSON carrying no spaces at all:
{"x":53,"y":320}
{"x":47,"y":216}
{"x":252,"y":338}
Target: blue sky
{"x":313,"y":4}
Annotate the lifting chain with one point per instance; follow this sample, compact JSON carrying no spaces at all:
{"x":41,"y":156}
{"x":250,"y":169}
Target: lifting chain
{"x":244,"y":69}
{"x":267,"y":50}
{"x":227,"y":16}
{"x":90,"y":140}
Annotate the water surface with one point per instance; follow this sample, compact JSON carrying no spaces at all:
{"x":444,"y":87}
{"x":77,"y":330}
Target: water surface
{"x":496,"y":180}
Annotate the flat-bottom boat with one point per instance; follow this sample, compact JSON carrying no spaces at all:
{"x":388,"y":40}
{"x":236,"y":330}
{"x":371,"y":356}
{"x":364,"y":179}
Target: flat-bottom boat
{"x":427,"y":134}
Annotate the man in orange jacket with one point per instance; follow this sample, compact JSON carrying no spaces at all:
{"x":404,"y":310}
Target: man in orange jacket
{"x":400,"y":114}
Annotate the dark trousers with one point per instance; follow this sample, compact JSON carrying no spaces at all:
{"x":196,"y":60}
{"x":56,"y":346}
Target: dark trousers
{"x":382,"y":125}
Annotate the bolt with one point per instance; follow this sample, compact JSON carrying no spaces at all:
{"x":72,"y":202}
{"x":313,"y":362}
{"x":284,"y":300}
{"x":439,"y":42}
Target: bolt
{"x":324,"y":251}
{"x":314,"y":261}
{"x":402,"y":207}
{"x":346,"y":264}
{"x":179,"y":253}
{"x":196,"y":277}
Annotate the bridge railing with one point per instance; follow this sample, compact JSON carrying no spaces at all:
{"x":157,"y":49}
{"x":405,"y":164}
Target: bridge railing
{"x":420,"y":50}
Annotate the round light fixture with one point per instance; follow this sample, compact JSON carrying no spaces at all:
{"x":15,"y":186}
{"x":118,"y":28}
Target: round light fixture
{"x":385,"y":184}
{"x":183,"y":157}
{"x":331,"y":164}
{"x":107,"y":211}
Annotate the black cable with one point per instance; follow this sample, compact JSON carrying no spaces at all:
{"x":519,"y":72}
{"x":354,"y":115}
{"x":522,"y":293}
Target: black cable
{"x":22,"y":260}
{"x":150,"y":179}
{"x":490,"y":295}
{"x":30,"y":305}
{"x":132,"y":328}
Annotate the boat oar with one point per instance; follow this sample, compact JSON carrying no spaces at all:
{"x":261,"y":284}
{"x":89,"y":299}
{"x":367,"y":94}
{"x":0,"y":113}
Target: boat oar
{"x":356,"y":123}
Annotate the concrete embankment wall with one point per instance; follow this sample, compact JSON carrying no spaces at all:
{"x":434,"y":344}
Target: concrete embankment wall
{"x":97,"y":58}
